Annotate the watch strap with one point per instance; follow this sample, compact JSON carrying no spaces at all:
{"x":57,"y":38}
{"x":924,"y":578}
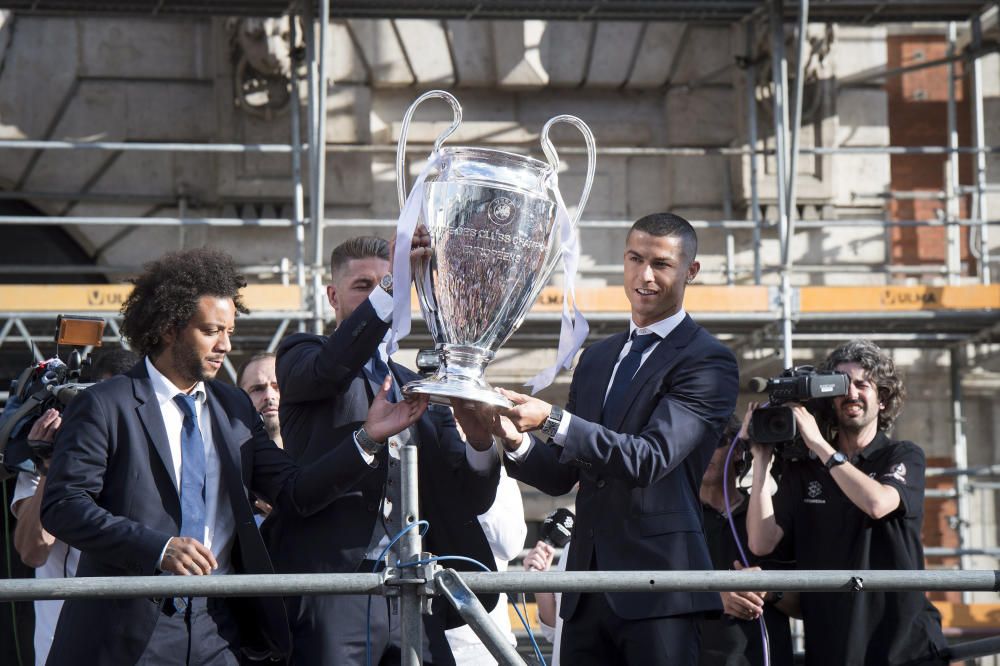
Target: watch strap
{"x":837,"y":458}
{"x":367,"y":444}
{"x":551,"y":425}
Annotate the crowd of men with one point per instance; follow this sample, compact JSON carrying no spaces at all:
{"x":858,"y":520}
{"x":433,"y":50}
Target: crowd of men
{"x":162,"y":469}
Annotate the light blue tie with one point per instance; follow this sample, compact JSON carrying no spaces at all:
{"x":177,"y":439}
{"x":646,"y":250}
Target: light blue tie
{"x":192,"y":471}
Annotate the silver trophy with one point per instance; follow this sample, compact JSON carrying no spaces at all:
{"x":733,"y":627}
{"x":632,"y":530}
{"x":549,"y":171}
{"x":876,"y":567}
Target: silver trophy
{"x":494,"y":242}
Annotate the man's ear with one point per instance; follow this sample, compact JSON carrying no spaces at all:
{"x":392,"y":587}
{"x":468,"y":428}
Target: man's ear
{"x":692,"y":271}
{"x":331,"y":295}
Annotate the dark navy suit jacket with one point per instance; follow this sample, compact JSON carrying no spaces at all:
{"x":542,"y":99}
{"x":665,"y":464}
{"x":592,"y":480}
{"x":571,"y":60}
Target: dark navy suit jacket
{"x":325,"y":397}
{"x":110,"y":493}
{"x":637,"y":506}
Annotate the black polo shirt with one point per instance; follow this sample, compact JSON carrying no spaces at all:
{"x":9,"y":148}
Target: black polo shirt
{"x":727,"y":641}
{"x":827,"y":531}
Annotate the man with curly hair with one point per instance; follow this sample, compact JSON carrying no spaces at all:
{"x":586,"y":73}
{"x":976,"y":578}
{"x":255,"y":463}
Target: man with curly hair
{"x":855,"y":502}
{"x":151,"y":475}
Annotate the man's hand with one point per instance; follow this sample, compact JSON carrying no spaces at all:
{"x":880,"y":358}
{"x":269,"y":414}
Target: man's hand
{"x":185,"y":556}
{"x":743,"y":605}
{"x":539,"y":558}
{"x":44,"y":430}
{"x":476,"y":421}
{"x":386,"y":419}
{"x":420,"y":245}
{"x":528,"y":413}
{"x":757,"y":450}
{"x":809,"y":429}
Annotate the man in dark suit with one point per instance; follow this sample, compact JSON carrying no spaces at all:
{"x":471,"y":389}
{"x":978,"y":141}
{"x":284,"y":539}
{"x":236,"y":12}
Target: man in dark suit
{"x":326,"y":389}
{"x":151,"y":475}
{"x":645,"y":410}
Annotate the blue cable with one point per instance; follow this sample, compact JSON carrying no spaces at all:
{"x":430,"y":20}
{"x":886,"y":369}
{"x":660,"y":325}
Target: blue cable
{"x":460,"y":558}
{"x":764,"y":636}
{"x":368,"y":614}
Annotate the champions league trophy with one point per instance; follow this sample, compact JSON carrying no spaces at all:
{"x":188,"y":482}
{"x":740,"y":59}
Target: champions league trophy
{"x":498,"y":226}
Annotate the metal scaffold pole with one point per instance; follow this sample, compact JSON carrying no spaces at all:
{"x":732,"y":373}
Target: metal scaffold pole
{"x":953,"y":257}
{"x":779,"y":70}
{"x":956,"y":363}
{"x":979,"y":137}
{"x":411,"y":622}
{"x":298,"y":198}
{"x":751,"y":89}
{"x":317,"y":154}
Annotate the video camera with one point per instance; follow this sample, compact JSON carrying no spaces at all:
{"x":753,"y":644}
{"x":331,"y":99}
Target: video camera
{"x":50,"y":383}
{"x":775,"y":423}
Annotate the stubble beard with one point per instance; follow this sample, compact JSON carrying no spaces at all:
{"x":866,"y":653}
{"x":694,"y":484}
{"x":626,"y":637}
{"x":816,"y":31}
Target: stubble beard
{"x":272,"y":426}
{"x":192,"y":366}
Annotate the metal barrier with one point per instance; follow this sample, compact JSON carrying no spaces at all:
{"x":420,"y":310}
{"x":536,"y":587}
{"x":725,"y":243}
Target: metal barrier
{"x":242,"y":585}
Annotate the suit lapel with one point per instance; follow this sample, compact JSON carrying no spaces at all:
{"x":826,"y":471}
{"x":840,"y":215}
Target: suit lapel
{"x":226,"y":443}
{"x":661,"y":358}
{"x":149,"y":414}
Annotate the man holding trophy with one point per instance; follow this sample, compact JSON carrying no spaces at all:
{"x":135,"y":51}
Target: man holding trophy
{"x":646,"y":406}
{"x":645,"y":410}
{"x":327,"y":385}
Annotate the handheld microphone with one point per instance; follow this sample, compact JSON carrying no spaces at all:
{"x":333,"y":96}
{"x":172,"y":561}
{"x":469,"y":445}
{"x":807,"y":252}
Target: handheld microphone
{"x":557,"y":528}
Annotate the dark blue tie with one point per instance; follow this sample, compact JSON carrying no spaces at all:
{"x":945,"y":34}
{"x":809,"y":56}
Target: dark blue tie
{"x":378,"y":374}
{"x":614,"y":404}
{"x":192,"y":471}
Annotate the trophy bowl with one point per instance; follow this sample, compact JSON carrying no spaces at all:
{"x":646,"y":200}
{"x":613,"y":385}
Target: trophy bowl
{"x":494,"y":241}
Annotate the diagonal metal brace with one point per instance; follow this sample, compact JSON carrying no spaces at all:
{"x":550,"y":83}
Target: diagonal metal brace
{"x":454,"y":589}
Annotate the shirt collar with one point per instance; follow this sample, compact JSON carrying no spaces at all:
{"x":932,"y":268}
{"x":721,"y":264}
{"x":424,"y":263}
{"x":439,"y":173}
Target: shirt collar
{"x":165,"y":389}
{"x":880,"y":442}
{"x":662,"y":328}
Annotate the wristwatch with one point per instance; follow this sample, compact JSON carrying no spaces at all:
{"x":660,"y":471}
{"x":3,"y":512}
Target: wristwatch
{"x":367,"y":444}
{"x":551,"y":425}
{"x":386,"y":283}
{"x":837,"y":458}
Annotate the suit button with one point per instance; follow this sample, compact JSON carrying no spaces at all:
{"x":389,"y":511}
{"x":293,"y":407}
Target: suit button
{"x":373,"y":507}
{"x":601,"y":483}
{"x":590,"y":533}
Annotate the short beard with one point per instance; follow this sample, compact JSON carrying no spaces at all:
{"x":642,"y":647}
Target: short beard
{"x":190,"y":365}
{"x":272,"y":426}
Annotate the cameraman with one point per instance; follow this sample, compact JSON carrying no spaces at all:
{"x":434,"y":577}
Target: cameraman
{"x":37,"y":548}
{"x":854,"y":502}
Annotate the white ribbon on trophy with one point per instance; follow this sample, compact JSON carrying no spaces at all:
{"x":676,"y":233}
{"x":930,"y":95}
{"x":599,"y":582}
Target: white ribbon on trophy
{"x":405,"y":227}
{"x":573,"y":331}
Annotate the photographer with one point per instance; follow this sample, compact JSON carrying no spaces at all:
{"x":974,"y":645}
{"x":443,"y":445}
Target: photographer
{"x":854,"y":502}
{"x":37,"y":548}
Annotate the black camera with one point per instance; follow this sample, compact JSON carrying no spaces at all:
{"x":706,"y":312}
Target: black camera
{"x":47,"y":384}
{"x":775,"y":424}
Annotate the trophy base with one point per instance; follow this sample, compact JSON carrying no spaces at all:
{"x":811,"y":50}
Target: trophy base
{"x":447,"y":390}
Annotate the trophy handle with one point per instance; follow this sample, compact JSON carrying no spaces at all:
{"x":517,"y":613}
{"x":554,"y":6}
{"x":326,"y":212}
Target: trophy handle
{"x":456,"y":109}
{"x":553,"y":157}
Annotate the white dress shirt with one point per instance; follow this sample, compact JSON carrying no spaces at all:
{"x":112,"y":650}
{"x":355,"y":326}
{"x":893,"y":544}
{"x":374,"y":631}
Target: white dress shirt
{"x":662,"y":328}
{"x":505,"y":530}
{"x":61,"y":563}
{"x":220,"y":523}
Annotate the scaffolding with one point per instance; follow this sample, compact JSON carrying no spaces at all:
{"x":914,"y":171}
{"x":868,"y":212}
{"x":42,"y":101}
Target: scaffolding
{"x":958,"y":316}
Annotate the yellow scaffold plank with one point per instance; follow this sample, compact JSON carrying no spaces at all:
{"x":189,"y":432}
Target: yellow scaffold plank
{"x":108,"y":298}
{"x":898,"y":298}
